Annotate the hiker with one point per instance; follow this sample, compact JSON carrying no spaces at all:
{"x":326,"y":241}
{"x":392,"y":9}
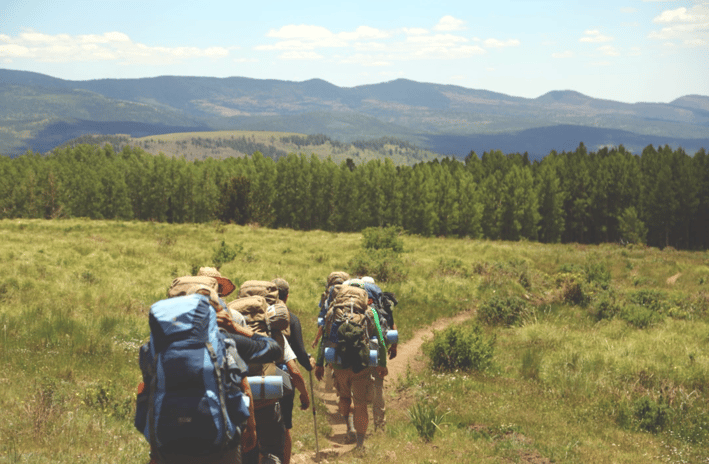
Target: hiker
{"x":348,"y":323}
{"x":332,"y":285}
{"x":384,"y":305}
{"x":182,"y":372}
{"x":264,"y":313}
{"x":297,"y":351}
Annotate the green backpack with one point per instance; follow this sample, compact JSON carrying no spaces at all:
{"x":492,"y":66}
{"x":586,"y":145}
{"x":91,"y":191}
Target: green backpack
{"x":353,"y":343}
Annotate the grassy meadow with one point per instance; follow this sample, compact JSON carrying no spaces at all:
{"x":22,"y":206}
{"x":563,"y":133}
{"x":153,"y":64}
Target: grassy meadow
{"x":600,"y":352}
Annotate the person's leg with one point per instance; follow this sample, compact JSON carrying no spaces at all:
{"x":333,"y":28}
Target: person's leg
{"x":343,"y":384}
{"x":270,"y":432}
{"x":287,"y":412}
{"x":378,"y":404}
{"x":362,"y":395}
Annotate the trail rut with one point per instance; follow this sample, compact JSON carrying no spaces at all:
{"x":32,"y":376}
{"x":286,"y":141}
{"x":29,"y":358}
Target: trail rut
{"x":409,"y":356}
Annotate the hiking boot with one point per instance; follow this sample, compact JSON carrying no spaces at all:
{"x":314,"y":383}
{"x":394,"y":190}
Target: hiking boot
{"x":350,"y":437}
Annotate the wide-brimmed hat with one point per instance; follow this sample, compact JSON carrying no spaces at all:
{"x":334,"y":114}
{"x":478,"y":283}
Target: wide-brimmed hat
{"x":225,"y":285}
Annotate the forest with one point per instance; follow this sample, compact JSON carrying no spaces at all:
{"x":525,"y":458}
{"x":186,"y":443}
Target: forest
{"x":659,"y":197}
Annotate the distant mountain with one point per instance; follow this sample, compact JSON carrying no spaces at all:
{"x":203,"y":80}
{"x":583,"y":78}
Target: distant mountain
{"x":39,"y":112}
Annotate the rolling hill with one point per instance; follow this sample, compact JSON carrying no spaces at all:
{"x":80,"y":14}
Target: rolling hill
{"x":39,"y":112}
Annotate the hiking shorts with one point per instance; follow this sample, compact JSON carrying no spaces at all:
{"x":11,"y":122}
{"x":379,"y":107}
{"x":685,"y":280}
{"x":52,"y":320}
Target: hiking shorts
{"x":359,"y":386}
{"x":287,"y":410}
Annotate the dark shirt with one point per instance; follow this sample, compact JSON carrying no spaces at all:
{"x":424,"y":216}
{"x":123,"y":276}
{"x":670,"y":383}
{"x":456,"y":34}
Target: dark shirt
{"x":296,"y":342}
{"x":257,"y":349}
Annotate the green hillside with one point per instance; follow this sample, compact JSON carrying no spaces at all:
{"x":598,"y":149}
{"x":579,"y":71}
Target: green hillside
{"x":598,"y":354}
{"x":273,"y":144}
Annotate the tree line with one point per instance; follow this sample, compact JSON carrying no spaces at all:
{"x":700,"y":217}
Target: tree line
{"x":660,"y":197}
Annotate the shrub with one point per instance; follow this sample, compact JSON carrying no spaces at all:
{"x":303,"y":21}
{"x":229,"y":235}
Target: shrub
{"x":505,"y":311}
{"x":531,"y":364}
{"x":425,"y":419}
{"x":639,"y":316}
{"x":382,"y":238}
{"x":598,"y":273}
{"x":225,"y":254}
{"x":651,"y":416}
{"x":650,"y":299}
{"x":605,"y":307}
{"x":573,"y":289}
{"x":382,"y":265}
{"x":460,"y":347}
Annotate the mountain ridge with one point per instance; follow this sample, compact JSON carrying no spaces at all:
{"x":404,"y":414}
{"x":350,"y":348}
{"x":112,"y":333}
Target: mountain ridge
{"x":416,"y":112}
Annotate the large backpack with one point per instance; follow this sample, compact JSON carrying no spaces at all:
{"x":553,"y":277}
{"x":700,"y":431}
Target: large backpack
{"x":348,"y":326}
{"x":270,"y":321}
{"x":192,"y":403}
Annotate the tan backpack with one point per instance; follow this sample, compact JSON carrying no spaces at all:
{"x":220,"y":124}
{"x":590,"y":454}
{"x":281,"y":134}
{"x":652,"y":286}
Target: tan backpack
{"x":263,"y":288}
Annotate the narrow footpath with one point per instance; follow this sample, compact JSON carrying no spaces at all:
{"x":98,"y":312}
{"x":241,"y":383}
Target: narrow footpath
{"x":409,"y":356}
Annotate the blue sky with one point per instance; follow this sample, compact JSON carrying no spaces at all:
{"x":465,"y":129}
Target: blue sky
{"x":625,"y":50}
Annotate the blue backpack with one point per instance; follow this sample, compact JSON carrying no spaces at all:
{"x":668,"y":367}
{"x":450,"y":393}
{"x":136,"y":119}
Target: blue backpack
{"x":192,"y":403}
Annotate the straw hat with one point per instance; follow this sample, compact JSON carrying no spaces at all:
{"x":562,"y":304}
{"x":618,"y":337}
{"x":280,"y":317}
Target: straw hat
{"x":225,"y":285}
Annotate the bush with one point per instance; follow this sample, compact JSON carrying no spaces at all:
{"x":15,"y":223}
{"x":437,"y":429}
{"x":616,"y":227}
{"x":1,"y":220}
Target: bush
{"x":225,"y":254}
{"x":382,"y":265}
{"x":505,"y":311}
{"x":425,"y":419}
{"x":651,"y":415}
{"x":598,"y":273}
{"x":639,"y":316}
{"x":573,"y":289}
{"x":605,"y":307}
{"x":460,"y":347}
{"x":382,"y":238}
{"x":653,"y":300}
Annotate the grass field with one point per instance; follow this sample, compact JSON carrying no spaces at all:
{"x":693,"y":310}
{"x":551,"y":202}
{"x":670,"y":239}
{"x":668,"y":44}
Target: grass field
{"x":600,"y":352}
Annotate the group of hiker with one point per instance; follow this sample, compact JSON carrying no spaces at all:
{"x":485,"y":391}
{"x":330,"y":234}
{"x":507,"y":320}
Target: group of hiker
{"x":219,"y":379}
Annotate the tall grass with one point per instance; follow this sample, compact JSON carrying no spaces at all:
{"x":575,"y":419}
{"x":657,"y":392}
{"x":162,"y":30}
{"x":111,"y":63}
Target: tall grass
{"x":570,"y":380}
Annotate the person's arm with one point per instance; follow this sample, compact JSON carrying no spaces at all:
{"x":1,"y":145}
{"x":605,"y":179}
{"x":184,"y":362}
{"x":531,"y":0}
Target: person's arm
{"x":257,"y":349}
{"x":248,"y":436}
{"x":296,"y":342}
{"x":298,"y":384}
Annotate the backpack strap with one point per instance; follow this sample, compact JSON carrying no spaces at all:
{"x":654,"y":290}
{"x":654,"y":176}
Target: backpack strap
{"x":382,"y":344}
{"x":222,"y":400}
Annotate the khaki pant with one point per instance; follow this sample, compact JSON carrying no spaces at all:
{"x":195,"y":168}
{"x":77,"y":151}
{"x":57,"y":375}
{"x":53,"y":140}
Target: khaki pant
{"x":359,"y":387}
{"x":378,"y":405}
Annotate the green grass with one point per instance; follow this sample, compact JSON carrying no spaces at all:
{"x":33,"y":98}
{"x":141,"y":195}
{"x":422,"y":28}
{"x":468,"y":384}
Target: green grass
{"x":568,"y":382}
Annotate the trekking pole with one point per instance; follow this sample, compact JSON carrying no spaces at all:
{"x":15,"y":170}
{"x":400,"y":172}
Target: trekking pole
{"x":315,"y":420}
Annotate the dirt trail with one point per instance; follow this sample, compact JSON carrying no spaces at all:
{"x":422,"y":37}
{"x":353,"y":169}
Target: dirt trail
{"x":409,"y":356}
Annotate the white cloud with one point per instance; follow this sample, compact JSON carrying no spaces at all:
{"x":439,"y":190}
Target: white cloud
{"x":110,"y":46}
{"x":671,"y":16}
{"x":364,"y":33}
{"x":494,"y":43}
{"x":595,"y":36}
{"x":609,"y":50}
{"x":690,"y":26}
{"x":628,"y":10}
{"x":449,"y":23}
{"x":564,"y":54}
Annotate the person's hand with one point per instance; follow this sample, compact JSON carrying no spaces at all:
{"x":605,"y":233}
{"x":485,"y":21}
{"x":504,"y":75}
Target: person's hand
{"x":319,"y":372}
{"x":304,"y":402}
{"x":245,"y":331}
{"x":312,"y":363}
{"x":382,"y":371}
{"x":392,"y":351}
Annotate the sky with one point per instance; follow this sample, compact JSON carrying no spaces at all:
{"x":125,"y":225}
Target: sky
{"x":622,"y":50}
